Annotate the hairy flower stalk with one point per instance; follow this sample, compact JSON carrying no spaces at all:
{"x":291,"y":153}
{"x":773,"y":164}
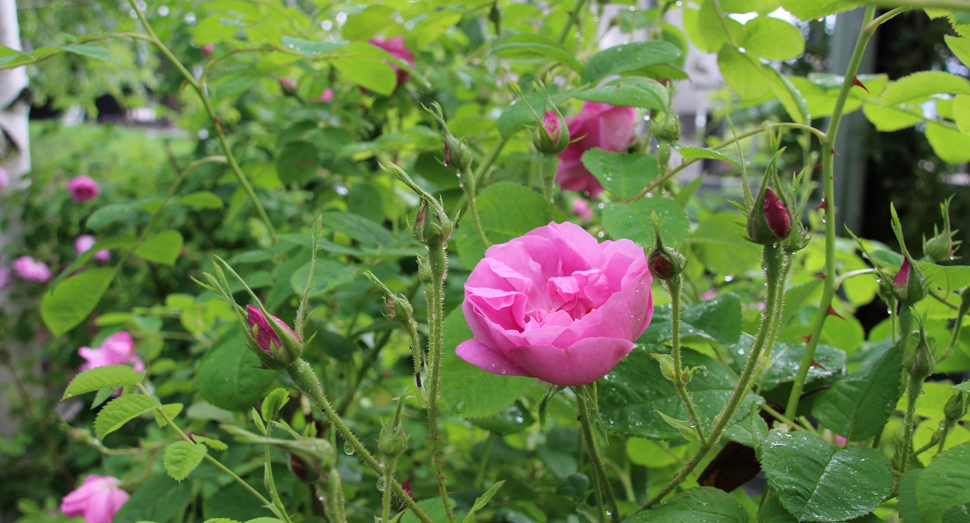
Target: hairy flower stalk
{"x":919,"y":363}
{"x":603,"y":488}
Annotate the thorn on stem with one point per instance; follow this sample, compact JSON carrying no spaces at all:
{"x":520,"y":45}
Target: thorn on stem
{"x":819,"y":166}
{"x":806,"y":337}
{"x":823,"y":205}
{"x":836,"y":314}
{"x":856,"y":81}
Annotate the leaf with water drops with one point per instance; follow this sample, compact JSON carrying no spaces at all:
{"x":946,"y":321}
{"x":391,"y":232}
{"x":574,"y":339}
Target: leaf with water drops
{"x":717,"y":319}
{"x":633,"y":221}
{"x":697,"y":505}
{"x":818,"y":481}
{"x":623,"y":174}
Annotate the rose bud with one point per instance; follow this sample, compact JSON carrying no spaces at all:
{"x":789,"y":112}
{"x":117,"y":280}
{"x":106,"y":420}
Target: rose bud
{"x":277,"y":340}
{"x":97,"y":500}
{"x":666,"y":126}
{"x":557,"y":305}
{"x":921,"y":361}
{"x":769,"y":220}
{"x":941,"y":246}
{"x":83,"y":188}
{"x":552,"y":137}
{"x":207,"y":50}
{"x":956,"y":407}
{"x":301,"y":470}
{"x":288,"y":86}
{"x":909,"y":285}
{"x":664,"y":263}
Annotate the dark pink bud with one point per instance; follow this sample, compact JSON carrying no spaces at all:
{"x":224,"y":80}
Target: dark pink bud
{"x":777,"y":215}
{"x":551,"y":123}
{"x":207,"y":50}
{"x":287,"y":84}
{"x":266,"y":338}
{"x":902,"y":277}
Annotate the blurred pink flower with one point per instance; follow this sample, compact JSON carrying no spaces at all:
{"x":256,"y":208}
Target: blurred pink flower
{"x":326,"y":96}
{"x":83,"y":188}
{"x":597,"y":125}
{"x":4,"y":178}
{"x":709,"y":294}
{"x":582,"y":209}
{"x":839,"y":440}
{"x":30,"y":269}
{"x":395,"y":46}
{"x":207,"y":50}
{"x":287,"y":84}
{"x":117,"y":349}
{"x":83,"y":244}
{"x":97,"y":500}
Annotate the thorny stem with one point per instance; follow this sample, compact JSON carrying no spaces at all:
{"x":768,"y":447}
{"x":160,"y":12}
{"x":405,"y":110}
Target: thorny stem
{"x":775,"y":261}
{"x":307,"y":382}
{"x":674,"y":286}
{"x":389,"y":465}
{"x":573,"y":17}
{"x":602,"y":480}
{"x":913,"y":392}
{"x":270,"y":482}
{"x":468,"y":184}
{"x":201,"y":91}
{"x":435,"y":296}
{"x":828,"y":189}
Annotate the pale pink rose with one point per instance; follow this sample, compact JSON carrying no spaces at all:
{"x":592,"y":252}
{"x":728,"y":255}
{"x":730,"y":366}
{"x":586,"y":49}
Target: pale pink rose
{"x":709,"y":294}
{"x":117,"y":349}
{"x":597,"y":125}
{"x":97,"y":500}
{"x":327,"y":95}
{"x":28,"y":268}
{"x":5,"y":277}
{"x":266,"y":338}
{"x":556,"y":305}
{"x":83,"y":244}
{"x":4,"y":178}
{"x":582,"y":209}
{"x":395,"y":47}
{"x":83,"y":188}
{"x":839,"y":440}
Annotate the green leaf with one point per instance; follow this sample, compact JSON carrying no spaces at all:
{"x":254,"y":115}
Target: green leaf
{"x":512,"y":420}
{"x":213,"y":444}
{"x":182,"y":457}
{"x":506,"y":211}
{"x":110,"y":214}
{"x":171,"y":410}
{"x":818,"y":481}
{"x":229,"y":376}
{"x":786,"y":358}
{"x":163,"y":247}
{"x":233,"y":501}
{"x":858,"y":404}
{"x":960,"y":47}
{"x":365,"y":231}
{"x":274,"y":401}
{"x":907,"y":496}
{"x":120,"y":411}
{"x":922,"y":84}
{"x":90,"y":50}
{"x":697,"y":505}
{"x":708,"y":33}
{"x":482,"y":501}
{"x":649,"y":454}
{"x":629,"y":91}
{"x":628,"y":407}
{"x":632,"y":221}
{"x":786,"y":92}
{"x":309,"y":47}
{"x":949,"y":144}
{"x":72,"y":301}
{"x":717,"y":319}
{"x":961,"y":112}
{"x":368,"y":72}
{"x":432,"y":507}
{"x":772,"y":39}
{"x":367,"y":23}
{"x":751,"y":430}
{"x":945,"y":483}
{"x":328,"y":274}
{"x":721,"y":245}
{"x":623,"y":174}
{"x":888,"y":119}
{"x":807,"y":10}
{"x":466,"y":390}
{"x":297,"y":162}
{"x":434,"y":25}
{"x":201,"y":200}
{"x":689,"y":153}
{"x":744,"y":75}
{"x":111,"y":377}
{"x":517,"y":115}
{"x":159,"y":500}
{"x":529,"y":46}
{"x":627,"y":58}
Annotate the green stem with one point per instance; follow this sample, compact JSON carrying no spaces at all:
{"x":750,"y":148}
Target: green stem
{"x":674,"y":286}
{"x":603,"y":481}
{"x":468,"y":184}
{"x":947,"y":426}
{"x":906,"y":321}
{"x":389,"y":465}
{"x":922,"y":4}
{"x":828,"y":190}
{"x":271,"y":483}
{"x":775,"y":261}
{"x":547,"y":172}
{"x":573,"y":17}
{"x":435,"y":296}
{"x":201,"y":91}
{"x":483,"y":466}
{"x":913,"y":391}
{"x":305,"y":379}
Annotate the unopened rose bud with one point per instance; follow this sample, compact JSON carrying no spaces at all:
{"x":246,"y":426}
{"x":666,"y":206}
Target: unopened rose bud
{"x":552,"y":136}
{"x":941,"y":246}
{"x":769,"y":220}
{"x":956,"y":407}
{"x":457,"y":153}
{"x":279,"y":343}
{"x":207,"y":50}
{"x":921,"y":361}
{"x":431,"y":225}
{"x":288,"y":86}
{"x":909,"y":285}
{"x":301,"y":470}
{"x":393,"y":440}
{"x":666,"y":126}
{"x":664,"y":263}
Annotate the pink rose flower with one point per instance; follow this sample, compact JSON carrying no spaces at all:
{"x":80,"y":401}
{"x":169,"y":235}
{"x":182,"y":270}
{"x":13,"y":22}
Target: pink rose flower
{"x":30,"y":269}
{"x":4,"y":178}
{"x":97,"y":500}
{"x":83,"y":244}
{"x":83,"y":188}
{"x":839,"y":440}
{"x":117,"y":349}
{"x":4,"y":277}
{"x":395,"y":46}
{"x":582,"y":209}
{"x":207,"y":50}
{"x":266,"y":338}
{"x":556,"y":305}
{"x":327,"y":95}
{"x":597,"y":125}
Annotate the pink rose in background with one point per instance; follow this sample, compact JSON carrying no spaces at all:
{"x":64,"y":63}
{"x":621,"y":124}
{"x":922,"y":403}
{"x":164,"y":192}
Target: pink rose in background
{"x":839,"y":440}
{"x":582,"y":209}
{"x":287,"y":84}
{"x":556,"y":305}
{"x":83,"y":188}
{"x":597,"y":125}
{"x":327,"y":95}
{"x":207,"y":50}
{"x":97,"y":500}
{"x":4,"y":178}
{"x":4,"y":277}
{"x":395,"y":46}
{"x":30,"y":269}
{"x":117,"y":349}
{"x":83,"y":244}
{"x":265,"y":337}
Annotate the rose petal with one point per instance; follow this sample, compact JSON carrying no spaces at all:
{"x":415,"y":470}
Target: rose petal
{"x":488,"y":360}
{"x":584,"y":362}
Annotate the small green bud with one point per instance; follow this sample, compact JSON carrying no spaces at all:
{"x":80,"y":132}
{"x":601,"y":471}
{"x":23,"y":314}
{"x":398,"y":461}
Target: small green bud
{"x":921,"y":361}
{"x":664,"y":263}
{"x":956,"y":407}
{"x":393,"y":441}
{"x":941,"y":246}
{"x":666,"y":126}
{"x":431,"y":224}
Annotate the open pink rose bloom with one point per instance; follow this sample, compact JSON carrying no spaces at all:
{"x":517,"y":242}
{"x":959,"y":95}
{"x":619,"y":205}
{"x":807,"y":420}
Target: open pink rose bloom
{"x":597,"y":125}
{"x":97,"y":500}
{"x":117,"y":349}
{"x":556,"y":305}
